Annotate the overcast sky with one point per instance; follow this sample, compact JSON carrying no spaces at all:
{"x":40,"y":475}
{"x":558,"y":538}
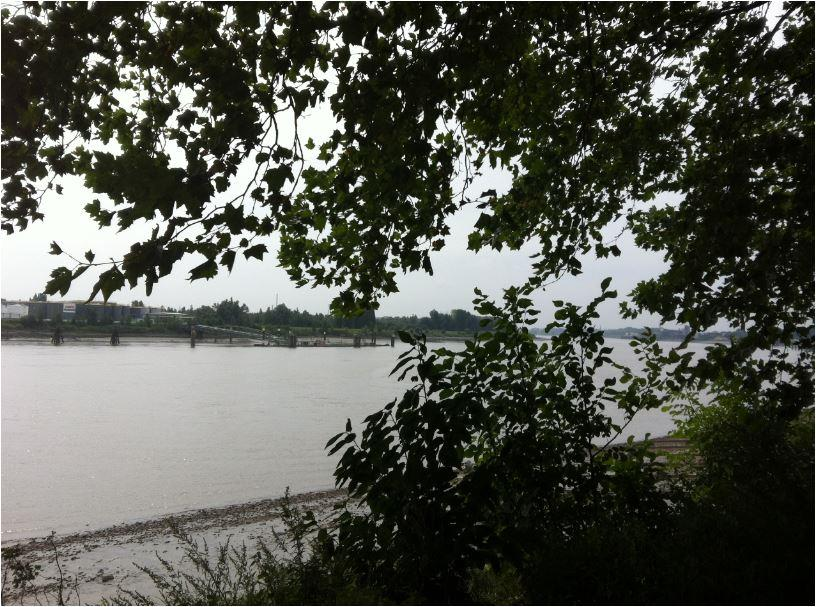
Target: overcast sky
{"x":25,"y":265}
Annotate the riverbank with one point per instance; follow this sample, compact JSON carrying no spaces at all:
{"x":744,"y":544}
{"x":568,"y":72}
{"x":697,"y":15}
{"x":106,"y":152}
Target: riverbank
{"x":97,"y":564}
{"x":95,"y":338}
{"x":70,"y":333}
{"x":125,"y":338}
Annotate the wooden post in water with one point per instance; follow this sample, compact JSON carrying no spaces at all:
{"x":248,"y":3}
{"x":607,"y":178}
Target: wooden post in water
{"x":392,"y":340}
{"x":192,"y":337}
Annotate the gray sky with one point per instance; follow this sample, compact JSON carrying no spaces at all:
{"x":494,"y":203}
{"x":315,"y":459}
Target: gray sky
{"x":25,"y":265}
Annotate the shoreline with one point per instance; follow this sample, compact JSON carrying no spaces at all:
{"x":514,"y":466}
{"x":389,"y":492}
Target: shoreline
{"x":23,"y":337}
{"x":197,"y":519}
{"x":99,"y":562}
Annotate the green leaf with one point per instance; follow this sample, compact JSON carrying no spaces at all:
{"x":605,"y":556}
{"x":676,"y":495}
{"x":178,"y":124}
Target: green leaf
{"x":60,"y":281}
{"x":401,"y":364}
{"x":110,"y":281}
{"x":228,"y":259}
{"x":208,"y":269}
{"x":333,"y":439}
{"x":257,"y":251}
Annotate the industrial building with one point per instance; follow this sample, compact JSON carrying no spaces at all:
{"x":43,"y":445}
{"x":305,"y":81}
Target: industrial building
{"x":14,"y":309}
{"x":93,"y":312}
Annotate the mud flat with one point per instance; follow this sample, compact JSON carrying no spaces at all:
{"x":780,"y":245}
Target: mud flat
{"x":97,"y":564}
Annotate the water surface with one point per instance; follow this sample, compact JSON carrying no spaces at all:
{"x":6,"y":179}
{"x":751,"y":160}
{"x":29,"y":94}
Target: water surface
{"x":94,"y":435}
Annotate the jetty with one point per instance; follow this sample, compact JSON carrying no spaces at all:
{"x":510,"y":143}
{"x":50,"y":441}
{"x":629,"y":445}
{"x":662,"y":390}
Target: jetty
{"x":277,"y":339}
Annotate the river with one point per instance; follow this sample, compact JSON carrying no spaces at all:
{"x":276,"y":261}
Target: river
{"x":94,"y":435}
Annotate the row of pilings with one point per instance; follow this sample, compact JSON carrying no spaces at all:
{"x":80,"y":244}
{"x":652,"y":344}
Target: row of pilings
{"x":291,"y":340}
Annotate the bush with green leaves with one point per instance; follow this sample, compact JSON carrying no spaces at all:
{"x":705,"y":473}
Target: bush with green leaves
{"x":18,"y":573}
{"x":688,"y":124}
{"x":748,"y":519}
{"x":493,"y":450}
{"x":498,"y":474}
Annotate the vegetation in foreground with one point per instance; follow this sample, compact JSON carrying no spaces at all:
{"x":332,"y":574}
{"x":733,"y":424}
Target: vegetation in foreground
{"x":465,"y":491}
{"x":689,"y":125}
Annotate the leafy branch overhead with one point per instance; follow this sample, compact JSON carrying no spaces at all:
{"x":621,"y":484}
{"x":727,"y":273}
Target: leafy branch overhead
{"x":190,"y":115}
{"x":690,"y":125}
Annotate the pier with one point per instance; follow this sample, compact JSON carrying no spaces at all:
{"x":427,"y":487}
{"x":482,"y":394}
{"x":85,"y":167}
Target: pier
{"x":211,"y":334}
{"x":198,"y":334}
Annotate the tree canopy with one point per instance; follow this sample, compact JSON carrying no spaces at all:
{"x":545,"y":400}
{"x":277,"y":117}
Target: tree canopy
{"x":689,"y":124}
{"x":601,"y":112}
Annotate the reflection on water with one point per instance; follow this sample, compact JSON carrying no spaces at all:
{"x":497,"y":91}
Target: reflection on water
{"x":94,"y":435}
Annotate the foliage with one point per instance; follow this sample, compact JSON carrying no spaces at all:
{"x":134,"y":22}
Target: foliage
{"x":494,"y":450}
{"x":741,"y":527}
{"x":24,"y":573}
{"x":594,"y":109}
{"x":489,"y":587}
{"x":297,"y":570}
{"x":185,"y":93}
{"x":749,"y":519}
{"x":231,"y":312}
{"x":30,"y":322}
{"x":690,"y":125}
{"x":21,"y":572}
{"x":455,"y":320}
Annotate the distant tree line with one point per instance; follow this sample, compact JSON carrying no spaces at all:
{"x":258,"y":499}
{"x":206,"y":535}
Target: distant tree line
{"x":232,"y":312}
{"x":456,"y":320}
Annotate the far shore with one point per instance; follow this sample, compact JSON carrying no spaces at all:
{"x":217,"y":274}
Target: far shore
{"x":104,"y":337}
{"x":125,"y":338}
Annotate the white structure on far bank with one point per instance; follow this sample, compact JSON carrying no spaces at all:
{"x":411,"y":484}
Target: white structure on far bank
{"x":14,"y":310}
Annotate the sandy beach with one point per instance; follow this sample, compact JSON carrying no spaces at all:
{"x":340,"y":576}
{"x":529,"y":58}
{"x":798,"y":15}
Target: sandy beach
{"x":97,"y":564}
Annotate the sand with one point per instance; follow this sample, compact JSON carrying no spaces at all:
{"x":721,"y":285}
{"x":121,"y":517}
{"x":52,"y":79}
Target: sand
{"x":97,"y":564}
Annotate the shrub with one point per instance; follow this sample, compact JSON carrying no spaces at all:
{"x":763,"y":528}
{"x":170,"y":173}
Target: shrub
{"x":493,"y":452}
{"x":298,"y":568}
